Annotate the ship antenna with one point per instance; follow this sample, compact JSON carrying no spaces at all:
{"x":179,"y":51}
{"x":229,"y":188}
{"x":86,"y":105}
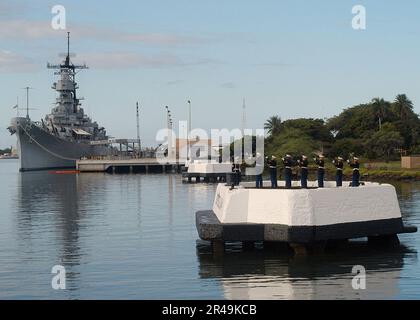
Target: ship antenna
{"x":68,"y":49}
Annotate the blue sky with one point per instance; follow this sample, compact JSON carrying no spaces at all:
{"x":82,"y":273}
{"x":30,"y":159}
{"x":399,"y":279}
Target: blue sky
{"x":291,"y":58}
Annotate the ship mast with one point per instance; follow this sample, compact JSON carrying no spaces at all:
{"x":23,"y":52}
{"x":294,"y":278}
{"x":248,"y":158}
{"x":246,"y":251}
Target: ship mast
{"x":27,"y":101}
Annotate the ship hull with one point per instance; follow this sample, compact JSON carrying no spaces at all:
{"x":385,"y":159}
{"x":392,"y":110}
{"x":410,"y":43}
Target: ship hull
{"x":41,"y":150}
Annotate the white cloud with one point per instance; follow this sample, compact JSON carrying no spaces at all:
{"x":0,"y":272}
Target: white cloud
{"x":12,"y":62}
{"x":121,"y":60}
{"x":174,"y":82}
{"x":35,"y":30}
{"x":228,"y":85}
{"x":11,"y":8}
{"x":125,"y":60}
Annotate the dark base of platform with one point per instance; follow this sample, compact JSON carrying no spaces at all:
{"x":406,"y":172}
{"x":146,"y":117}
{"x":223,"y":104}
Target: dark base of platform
{"x":204,"y":177}
{"x":301,"y":239}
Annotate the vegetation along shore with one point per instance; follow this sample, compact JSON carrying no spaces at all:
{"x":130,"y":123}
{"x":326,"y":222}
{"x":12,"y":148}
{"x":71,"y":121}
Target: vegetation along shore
{"x":378,"y":132}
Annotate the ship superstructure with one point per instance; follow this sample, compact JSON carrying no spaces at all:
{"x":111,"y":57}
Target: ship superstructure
{"x":67,"y":118}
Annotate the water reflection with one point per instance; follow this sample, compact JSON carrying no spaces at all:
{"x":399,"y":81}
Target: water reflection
{"x":52,"y":209}
{"x":45,"y":199}
{"x":268,"y":274}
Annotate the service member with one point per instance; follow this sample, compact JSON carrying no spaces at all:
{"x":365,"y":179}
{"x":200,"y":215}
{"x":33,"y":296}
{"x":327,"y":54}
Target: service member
{"x":236,"y":170}
{"x":303,"y":165}
{"x":321,"y":170}
{"x":259,"y":168}
{"x":288,"y":163}
{"x":355,"y":164}
{"x":272,"y":165}
{"x":339,"y":165}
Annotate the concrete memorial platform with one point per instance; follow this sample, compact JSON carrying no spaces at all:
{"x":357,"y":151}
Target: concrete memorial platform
{"x":302,"y":217}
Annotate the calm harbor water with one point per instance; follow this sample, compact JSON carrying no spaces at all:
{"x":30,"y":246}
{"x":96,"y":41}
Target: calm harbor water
{"x":134,"y":237}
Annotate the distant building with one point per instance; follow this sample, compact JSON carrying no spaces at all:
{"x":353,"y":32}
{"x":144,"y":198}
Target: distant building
{"x":410,"y":162}
{"x":198,"y":149}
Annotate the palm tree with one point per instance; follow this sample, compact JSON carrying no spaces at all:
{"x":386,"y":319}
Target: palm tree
{"x":403,"y":106}
{"x":380,"y":108}
{"x":273,"y":125}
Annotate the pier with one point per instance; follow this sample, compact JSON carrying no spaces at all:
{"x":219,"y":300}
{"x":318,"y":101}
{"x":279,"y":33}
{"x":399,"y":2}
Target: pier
{"x":129,"y":165}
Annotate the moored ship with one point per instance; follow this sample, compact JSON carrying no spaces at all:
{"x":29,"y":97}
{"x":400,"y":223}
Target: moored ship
{"x":66,"y":134}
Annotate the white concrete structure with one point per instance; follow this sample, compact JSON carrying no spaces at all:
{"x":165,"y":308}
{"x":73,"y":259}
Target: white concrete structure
{"x":304,"y":218}
{"x":306,"y":207}
{"x":209,"y":167}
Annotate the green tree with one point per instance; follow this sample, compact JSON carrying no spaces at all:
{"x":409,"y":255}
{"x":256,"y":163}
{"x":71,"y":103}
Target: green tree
{"x":402,"y":106}
{"x":345,"y":147}
{"x":381,"y":109}
{"x":7,"y":150}
{"x":353,"y":122}
{"x":292,"y":141}
{"x":273,"y":125}
{"x":407,"y":122}
{"x":384,"y":142}
{"x":314,"y":128}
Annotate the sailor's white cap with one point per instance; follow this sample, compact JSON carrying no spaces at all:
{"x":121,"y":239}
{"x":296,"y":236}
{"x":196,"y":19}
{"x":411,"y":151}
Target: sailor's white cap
{"x":340,"y":158}
{"x":321,"y":156}
{"x":288,"y":156}
{"x":273,"y":157}
{"x":356,"y":158}
{"x":304,"y":157}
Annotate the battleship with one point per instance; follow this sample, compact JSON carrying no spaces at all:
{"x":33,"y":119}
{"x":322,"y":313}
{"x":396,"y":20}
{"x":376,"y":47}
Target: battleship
{"x":65,"y":135}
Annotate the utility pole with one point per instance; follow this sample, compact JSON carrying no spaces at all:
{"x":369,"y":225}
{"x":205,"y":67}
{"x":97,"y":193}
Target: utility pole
{"x":243,"y":118}
{"x":189,"y":130}
{"x":138,"y":127}
{"x":169,"y":128}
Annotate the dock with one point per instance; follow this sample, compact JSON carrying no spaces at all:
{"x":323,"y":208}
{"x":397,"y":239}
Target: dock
{"x":129,"y":165}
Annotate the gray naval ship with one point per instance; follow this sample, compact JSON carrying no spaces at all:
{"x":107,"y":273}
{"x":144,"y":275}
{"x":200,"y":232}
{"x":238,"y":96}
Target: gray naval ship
{"x":66,"y":134}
